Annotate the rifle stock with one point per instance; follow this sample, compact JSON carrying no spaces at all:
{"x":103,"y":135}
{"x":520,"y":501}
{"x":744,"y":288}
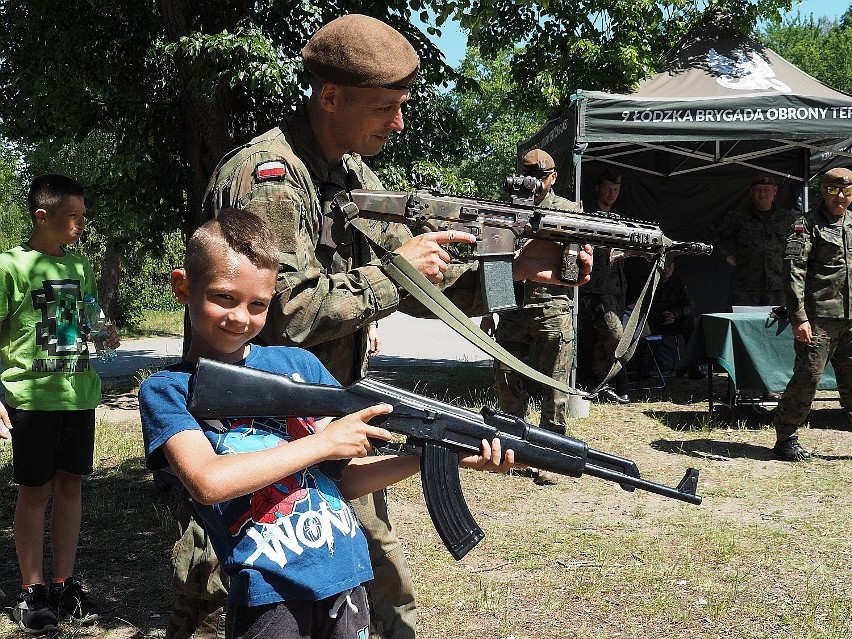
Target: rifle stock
{"x":436,"y":431}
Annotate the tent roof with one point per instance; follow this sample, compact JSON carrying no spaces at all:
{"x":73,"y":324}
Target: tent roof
{"x":717,"y":60}
{"x":722,"y":98}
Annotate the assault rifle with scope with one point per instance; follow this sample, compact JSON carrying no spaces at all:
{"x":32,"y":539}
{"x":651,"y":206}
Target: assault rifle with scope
{"x":435,"y":431}
{"x":501,"y":227}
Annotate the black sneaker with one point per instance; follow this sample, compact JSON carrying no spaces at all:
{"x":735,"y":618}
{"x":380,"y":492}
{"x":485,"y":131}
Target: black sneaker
{"x":70,"y":602}
{"x":33,"y":612}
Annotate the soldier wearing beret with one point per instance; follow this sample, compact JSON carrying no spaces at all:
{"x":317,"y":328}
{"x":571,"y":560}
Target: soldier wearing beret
{"x":818,"y":270}
{"x":541,"y":333}
{"x":751,"y":241}
{"x":331,"y":283}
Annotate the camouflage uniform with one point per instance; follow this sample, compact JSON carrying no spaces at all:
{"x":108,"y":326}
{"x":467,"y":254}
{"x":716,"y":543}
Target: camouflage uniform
{"x":602,"y":305}
{"x":541,"y":334}
{"x":331,"y":286}
{"x":819,"y":289}
{"x":673,"y":297}
{"x":756,"y":239}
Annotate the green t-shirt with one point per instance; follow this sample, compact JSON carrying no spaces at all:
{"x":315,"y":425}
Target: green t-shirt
{"x":44,"y":355}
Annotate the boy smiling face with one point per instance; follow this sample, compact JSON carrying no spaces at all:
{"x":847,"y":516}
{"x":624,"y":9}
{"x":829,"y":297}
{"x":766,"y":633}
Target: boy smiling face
{"x":227,"y":304}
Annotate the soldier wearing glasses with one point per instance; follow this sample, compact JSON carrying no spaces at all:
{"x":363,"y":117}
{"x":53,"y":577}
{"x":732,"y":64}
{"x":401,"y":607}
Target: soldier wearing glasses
{"x":818,"y":269}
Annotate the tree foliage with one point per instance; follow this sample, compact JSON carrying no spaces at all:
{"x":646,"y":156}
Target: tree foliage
{"x":140,"y":100}
{"x":589,"y":44}
{"x":493,"y":132}
{"x":819,"y":46}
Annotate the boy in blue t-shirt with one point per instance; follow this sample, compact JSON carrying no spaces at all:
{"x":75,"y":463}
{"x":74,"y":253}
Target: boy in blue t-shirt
{"x":51,"y":394}
{"x":283,"y":531}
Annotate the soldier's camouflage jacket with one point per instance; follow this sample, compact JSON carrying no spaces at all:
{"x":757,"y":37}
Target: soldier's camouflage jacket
{"x":817,"y":263}
{"x":330,"y":284}
{"x":536,"y":293}
{"x":757,"y":242}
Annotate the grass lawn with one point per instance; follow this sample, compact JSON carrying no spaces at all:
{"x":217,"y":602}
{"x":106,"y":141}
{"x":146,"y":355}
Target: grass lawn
{"x":767,"y":554}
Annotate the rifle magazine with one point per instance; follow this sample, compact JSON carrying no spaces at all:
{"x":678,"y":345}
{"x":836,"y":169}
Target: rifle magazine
{"x":439,"y":475}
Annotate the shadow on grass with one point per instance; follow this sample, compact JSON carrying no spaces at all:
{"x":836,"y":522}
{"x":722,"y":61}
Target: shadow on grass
{"x":715,"y":450}
{"x":126,"y":541}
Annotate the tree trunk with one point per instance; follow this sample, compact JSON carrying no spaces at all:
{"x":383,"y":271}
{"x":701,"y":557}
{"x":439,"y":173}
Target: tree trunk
{"x":208,"y":134}
{"x":110,"y":279}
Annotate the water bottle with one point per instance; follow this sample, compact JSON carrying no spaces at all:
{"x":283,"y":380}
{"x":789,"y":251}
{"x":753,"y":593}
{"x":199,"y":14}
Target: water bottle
{"x":97,"y":326}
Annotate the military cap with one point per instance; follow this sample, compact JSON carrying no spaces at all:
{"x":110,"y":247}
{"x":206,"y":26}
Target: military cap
{"x":359,"y":51}
{"x":538,"y":162}
{"x":763,"y":178}
{"x":838,"y":176}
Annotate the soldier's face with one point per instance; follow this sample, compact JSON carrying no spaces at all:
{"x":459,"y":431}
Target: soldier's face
{"x":763,"y":195}
{"x":366,"y":118}
{"x":607,"y":193}
{"x":837,"y":204}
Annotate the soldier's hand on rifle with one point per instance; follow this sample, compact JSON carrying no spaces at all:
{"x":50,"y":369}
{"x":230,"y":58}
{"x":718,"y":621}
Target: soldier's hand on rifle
{"x":349,"y":437}
{"x":427,"y":254}
{"x":541,"y":260}
{"x":490,"y":458}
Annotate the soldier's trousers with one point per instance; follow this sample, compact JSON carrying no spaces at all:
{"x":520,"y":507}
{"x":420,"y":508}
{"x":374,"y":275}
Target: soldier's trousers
{"x":393,"y":611}
{"x":548,"y":332}
{"x":832,"y":341}
{"x":201,"y":588}
{"x":609,"y":331}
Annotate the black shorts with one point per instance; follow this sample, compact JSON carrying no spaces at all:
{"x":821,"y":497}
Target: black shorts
{"x":44,"y":441}
{"x":302,"y":619}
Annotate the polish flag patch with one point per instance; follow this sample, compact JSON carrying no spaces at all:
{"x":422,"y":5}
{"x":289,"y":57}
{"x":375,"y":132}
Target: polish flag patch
{"x":270,"y":171}
{"x":798,"y":228}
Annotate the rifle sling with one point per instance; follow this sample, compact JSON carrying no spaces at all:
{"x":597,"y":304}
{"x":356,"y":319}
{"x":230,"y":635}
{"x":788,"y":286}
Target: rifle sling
{"x":409,"y":278}
{"x":632,"y":332}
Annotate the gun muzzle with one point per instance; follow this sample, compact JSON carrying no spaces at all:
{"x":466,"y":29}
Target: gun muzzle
{"x":690,"y":248}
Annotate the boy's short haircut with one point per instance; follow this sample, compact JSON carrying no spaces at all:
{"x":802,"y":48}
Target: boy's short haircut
{"x":235,"y":230}
{"x":46,"y":191}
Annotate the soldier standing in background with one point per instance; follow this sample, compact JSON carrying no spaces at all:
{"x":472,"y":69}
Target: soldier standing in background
{"x":603,"y":301}
{"x":752,"y":243}
{"x":541,"y":332}
{"x":818,"y":268}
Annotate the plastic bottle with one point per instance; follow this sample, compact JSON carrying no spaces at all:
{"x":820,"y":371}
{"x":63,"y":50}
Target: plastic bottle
{"x":97,"y":326}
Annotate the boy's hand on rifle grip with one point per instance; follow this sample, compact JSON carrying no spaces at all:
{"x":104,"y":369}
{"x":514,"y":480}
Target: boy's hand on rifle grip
{"x":490,"y":459}
{"x":349,"y":437}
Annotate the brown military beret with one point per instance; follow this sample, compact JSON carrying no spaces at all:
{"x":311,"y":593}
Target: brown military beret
{"x":838,"y":176}
{"x":538,"y":162}
{"x":359,"y":51}
{"x":764,"y":178}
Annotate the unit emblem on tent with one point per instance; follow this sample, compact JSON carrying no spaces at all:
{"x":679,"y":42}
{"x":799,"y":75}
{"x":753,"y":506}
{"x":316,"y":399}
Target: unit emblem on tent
{"x":748,"y":72}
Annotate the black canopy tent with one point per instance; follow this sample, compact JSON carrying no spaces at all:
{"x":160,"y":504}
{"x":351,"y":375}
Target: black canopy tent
{"x":690,"y":138}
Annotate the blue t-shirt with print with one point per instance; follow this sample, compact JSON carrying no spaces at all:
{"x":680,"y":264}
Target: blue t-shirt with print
{"x":295,"y":539}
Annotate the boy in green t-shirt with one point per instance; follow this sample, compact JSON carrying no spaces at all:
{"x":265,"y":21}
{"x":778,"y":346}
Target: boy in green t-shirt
{"x":51,"y":394}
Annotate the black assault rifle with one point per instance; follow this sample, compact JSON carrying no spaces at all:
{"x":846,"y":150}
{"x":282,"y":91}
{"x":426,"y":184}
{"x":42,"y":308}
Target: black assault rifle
{"x":500,"y":228}
{"x":435,"y":431}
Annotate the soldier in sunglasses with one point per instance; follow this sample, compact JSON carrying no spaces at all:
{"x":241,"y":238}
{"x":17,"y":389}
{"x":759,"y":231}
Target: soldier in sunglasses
{"x":818,"y":266}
